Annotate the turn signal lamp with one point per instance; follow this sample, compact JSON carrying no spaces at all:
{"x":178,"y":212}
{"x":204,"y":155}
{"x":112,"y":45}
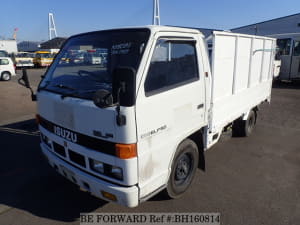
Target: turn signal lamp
{"x":126,"y":151}
{"x":109,"y":196}
{"x":37,"y":118}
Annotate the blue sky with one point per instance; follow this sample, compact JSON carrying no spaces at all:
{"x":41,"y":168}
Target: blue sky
{"x":73,"y":16}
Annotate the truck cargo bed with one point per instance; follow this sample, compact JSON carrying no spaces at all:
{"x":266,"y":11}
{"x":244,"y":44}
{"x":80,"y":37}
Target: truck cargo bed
{"x":242,"y":68}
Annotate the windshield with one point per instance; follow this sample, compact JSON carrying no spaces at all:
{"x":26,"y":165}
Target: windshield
{"x":86,"y":62}
{"x":23,"y":55}
{"x":44,"y":55}
{"x":3,"y":53}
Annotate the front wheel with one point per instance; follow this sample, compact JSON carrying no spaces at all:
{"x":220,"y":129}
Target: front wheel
{"x":5,"y":76}
{"x":183,"y":168}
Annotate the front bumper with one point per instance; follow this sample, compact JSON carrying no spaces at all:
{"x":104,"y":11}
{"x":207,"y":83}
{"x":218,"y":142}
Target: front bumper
{"x":45,"y":64}
{"x":24,"y":65}
{"x":127,"y":196}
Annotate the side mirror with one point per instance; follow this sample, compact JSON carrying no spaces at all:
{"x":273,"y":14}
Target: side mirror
{"x":24,"y":81}
{"x":124,"y":86}
{"x":103,"y":98}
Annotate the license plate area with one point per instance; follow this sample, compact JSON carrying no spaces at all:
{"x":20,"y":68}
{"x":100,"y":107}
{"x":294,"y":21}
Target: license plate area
{"x":68,"y":174}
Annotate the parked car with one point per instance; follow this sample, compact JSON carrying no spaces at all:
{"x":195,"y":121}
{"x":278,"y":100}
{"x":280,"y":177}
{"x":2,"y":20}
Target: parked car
{"x":3,"y":53}
{"x":288,"y":52}
{"x":7,"y":68}
{"x":72,"y":57}
{"x":43,"y":58}
{"x":24,"y":59}
{"x":92,"y":57}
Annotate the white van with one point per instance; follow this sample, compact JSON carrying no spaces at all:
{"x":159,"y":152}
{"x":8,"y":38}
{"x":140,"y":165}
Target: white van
{"x":7,"y":68}
{"x":288,"y":52}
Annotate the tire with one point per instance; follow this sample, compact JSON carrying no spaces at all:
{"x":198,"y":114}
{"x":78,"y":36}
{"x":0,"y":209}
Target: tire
{"x":5,"y":76}
{"x":183,"y":168}
{"x":244,"y":128}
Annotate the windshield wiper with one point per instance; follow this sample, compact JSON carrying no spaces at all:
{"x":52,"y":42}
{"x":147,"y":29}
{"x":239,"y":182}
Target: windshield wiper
{"x":76,"y":93}
{"x":82,"y":72}
{"x":64,"y":87}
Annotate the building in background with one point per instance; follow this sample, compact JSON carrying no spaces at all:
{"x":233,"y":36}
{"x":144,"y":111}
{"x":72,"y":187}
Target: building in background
{"x":10,"y":46}
{"x":53,"y":45}
{"x":282,"y":25}
{"x":28,"y":46}
{"x":287,"y":31}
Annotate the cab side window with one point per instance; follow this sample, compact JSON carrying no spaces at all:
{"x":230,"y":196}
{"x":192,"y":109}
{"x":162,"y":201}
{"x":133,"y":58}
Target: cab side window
{"x":296,"y":51}
{"x":283,"y":47}
{"x":4,"y":62}
{"x":173,"y":64}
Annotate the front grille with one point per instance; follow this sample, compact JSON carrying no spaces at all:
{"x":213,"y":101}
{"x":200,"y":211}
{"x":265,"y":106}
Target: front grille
{"x":77,"y":158}
{"x":92,"y":143}
{"x":59,"y":149}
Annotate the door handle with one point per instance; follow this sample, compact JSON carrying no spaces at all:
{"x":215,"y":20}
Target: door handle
{"x":200,"y":106}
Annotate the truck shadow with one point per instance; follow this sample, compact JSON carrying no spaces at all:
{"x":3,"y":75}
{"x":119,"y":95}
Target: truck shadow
{"x":28,"y":183}
{"x":286,"y":84}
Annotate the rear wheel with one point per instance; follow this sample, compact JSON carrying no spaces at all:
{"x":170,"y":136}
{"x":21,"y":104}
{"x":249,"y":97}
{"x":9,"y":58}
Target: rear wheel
{"x":243,"y":128}
{"x":6,"y":76}
{"x":183,"y":169}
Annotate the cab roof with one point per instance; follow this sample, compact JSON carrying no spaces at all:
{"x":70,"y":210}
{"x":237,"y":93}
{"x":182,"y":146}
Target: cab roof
{"x":153,"y":29}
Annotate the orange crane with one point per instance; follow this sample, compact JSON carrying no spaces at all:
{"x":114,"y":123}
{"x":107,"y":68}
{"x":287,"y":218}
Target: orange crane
{"x":15,"y":33}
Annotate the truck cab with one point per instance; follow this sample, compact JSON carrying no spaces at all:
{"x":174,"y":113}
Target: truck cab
{"x":124,"y":147}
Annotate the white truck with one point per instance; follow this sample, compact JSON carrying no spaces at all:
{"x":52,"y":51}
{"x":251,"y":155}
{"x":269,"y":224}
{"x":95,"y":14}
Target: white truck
{"x":141,"y":124}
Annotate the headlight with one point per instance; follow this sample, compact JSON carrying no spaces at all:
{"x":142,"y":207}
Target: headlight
{"x":116,"y":172}
{"x":106,"y":169}
{"x":97,"y":166}
{"x":46,"y":140}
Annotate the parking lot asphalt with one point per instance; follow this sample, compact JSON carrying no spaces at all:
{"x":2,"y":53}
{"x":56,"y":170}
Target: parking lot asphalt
{"x":254,"y":180}
{"x":15,"y":99}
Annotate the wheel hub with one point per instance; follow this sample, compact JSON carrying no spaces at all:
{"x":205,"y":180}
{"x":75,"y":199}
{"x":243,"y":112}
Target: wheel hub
{"x":183,"y":168}
{"x":5,"y":76}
